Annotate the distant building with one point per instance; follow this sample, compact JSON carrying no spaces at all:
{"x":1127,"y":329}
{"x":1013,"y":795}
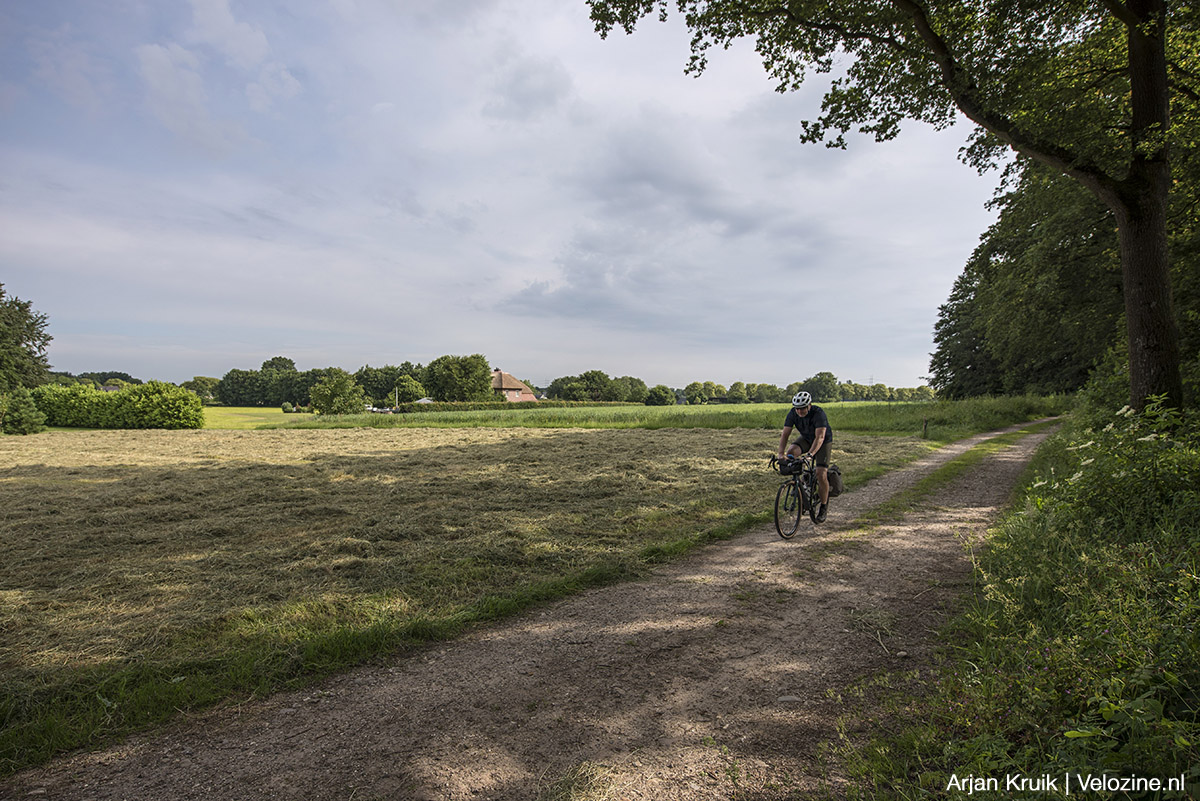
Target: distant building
{"x":510,"y":388}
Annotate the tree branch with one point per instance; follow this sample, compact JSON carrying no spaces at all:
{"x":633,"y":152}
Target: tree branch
{"x":1183,"y":89}
{"x":1121,"y":12}
{"x":965,"y":94}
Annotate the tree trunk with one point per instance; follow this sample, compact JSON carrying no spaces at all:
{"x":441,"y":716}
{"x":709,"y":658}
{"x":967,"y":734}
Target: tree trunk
{"x":1141,"y":209}
{"x":1149,"y":314}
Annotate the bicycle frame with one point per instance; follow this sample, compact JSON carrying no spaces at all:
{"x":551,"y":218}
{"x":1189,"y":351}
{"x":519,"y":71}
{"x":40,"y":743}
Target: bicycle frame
{"x":796,"y":495}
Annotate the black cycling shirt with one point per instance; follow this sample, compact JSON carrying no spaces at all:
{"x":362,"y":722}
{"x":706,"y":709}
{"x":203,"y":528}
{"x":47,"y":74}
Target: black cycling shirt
{"x":807,"y":425}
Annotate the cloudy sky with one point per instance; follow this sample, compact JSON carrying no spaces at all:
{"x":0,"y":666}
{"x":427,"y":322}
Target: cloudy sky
{"x":188,"y":186}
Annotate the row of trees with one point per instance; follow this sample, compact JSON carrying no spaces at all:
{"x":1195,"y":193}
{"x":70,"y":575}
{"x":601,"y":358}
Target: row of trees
{"x":1039,"y":305}
{"x":595,"y":385}
{"x":277,"y":381}
{"x":824,"y":388}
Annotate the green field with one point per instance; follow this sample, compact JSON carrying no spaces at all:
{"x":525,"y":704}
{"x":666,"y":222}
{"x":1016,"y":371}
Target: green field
{"x":242,"y":417}
{"x":943,"y":421}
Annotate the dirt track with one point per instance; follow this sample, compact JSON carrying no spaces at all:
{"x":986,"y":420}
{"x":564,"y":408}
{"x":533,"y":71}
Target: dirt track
{"x":713,"y":678}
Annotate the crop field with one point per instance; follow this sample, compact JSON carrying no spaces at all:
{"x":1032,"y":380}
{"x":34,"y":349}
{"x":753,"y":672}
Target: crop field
{"x":149,"y":571}
{"x":943,"y":421}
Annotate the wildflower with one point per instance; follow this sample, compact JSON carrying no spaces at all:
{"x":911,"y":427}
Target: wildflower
{"x":1086,"y":462}
{"x":1075,"y":477}
{"x":1148,"y":438}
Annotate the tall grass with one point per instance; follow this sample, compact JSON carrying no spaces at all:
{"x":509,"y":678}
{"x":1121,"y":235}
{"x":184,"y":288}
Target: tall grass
{"x":1080,"y":653}
{"x":941,"y":421}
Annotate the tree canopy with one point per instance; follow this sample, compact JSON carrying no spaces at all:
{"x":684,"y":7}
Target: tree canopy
{"x":23,"y":344}
{"x":1099,"y":90}
{"x":459,"y":378}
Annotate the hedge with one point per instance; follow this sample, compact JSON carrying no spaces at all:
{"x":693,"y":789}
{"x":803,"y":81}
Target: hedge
{"x":154,"y":404}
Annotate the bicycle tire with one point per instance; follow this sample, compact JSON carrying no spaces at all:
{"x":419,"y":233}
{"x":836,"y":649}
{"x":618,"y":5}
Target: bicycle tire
{"x":814,"y":498}
{"x":789,"y":508}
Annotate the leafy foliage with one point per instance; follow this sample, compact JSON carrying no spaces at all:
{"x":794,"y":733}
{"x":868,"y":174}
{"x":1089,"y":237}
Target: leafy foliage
{"x":19,"y":414}
{"x":154,"y":404}
{"x":1096,"y":91}
{"x":595,"y":385}
{"x":660,"y":395}
{"x":1039,"y":303}
{"x":110,"y":378}
{"x":407,"y":390}
{"x":205,"y":387}
{"x":23,"y":344}
{"x":338,"y":394}
{"x":459,"y":378}
{"x":1081,"y":652}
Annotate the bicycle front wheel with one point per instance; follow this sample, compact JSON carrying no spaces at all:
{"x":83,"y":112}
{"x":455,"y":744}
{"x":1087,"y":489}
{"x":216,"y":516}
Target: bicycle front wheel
{"x":789,"y":508}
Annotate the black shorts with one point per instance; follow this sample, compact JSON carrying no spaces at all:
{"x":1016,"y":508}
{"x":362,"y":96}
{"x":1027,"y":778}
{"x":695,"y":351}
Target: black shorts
{"x":823,"y":455}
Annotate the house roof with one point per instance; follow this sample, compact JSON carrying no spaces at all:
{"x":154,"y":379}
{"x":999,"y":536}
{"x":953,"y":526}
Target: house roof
{"x":502,"y":380}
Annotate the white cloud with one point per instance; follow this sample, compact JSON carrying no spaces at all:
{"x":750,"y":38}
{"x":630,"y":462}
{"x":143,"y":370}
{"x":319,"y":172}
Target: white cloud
{"x":528,"y":87}
{"x":176,"y":96}
{"x":64,"y":63}
{"x":423,"y":179}
{"x":274,"y":82}
{"x":213,"y":24}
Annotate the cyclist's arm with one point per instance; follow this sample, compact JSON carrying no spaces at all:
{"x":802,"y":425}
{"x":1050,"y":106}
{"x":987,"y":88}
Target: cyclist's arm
{"x":783,"y":438}
{"x":818,"y":441}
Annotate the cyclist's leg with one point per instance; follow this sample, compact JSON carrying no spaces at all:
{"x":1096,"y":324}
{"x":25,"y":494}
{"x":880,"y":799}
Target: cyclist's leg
{"x":823,"y":457}
{"x":799,"y":446}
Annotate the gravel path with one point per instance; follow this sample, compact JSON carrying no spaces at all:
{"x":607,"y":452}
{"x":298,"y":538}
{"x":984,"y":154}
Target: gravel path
{"x":714,"y":677}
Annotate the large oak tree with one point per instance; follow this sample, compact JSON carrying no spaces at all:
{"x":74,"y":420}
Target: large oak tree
{"x":1099,"y":90}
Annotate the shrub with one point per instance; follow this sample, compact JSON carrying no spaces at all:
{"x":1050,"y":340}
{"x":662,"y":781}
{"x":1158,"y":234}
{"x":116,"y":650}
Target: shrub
{"x":151,"y":405}
{"x":78,"y":406}
{"x":287,"y":408}
{"x":157,"y":404}
{"x":20,"y":415}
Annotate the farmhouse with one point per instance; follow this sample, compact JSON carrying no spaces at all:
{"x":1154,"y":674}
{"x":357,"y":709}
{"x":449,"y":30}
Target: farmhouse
{"x":513,"y":390}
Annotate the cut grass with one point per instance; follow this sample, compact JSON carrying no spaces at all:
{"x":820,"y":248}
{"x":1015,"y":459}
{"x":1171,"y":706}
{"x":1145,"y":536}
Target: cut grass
{"x":154,"y":571}
{"x":147,"y":572}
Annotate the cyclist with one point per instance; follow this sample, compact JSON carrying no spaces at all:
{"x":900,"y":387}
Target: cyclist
{"x":816,"y":439}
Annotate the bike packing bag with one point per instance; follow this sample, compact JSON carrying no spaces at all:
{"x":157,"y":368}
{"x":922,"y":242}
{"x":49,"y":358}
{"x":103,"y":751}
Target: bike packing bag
{"x":788,"y":467}
{"x":835,"y":481}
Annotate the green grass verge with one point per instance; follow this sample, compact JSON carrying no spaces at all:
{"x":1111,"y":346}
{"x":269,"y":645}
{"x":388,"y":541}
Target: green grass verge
{"x":1078,"y":655}
{"x":902,"y":502}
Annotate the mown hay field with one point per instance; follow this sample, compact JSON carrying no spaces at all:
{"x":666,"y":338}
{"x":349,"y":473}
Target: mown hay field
{"x":144,"y":572}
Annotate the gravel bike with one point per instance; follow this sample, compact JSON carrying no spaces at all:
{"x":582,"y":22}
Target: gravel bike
{"x":797,"y":494}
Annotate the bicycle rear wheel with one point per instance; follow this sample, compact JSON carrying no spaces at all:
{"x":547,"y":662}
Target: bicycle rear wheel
{"x":814,"y":499}
{"x":789,"y":508}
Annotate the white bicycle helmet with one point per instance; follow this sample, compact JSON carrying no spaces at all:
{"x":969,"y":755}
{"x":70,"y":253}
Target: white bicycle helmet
{"x":801,"y":399}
